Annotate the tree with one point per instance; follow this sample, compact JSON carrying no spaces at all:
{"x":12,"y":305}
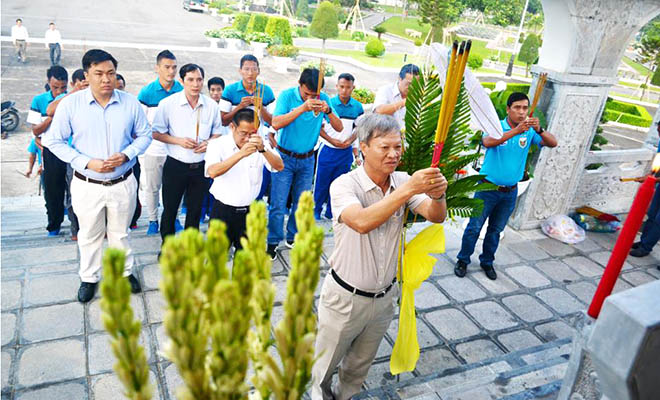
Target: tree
{"x":529,"y":52}
{"x":379,"y":30}
{"x":534,"y":22}
{"x":649,"y":50}
{"x":302,"y":9}
{"x":324,"y":24}
{"x":504,"y":12}
{"x":439,"y":14}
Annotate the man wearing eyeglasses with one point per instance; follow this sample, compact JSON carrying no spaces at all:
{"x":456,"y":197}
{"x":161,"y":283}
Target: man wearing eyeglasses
{"x":391,"y":99}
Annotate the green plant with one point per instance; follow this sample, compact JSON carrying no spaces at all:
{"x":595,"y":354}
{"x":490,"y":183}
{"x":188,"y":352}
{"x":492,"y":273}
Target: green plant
{"x":218,"y":4}
{"x":357,"y":36}
{"x":422,"y":110}
{"x":329,"y":68}
{"x":283,"y":50}
{"x":475,"y":62}
{"x":131,"y":366}
{"x":240,"y":22}
{"x":257,"y":23}
{"x":259,"y":37}
{"x":529,"y":51}
{"x":324,"y":24}
{"x":627,"y":113}
{"x":226,"y":10}
{"x":364,"y":95}
{"x":279,"y":29}
{"x":301,"y":31}
{"x":225,"y":33}
{"x":302,"y":9}
{"x":379,"y":29}
{"x":418,"y":42}
{"x":374,"y":48}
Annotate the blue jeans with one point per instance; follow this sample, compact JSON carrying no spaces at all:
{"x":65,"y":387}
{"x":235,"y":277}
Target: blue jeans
{"x":651,"y":231}
{"x":296,"y":177}
{"x":498,"y":207}
{"x":332,"y":163}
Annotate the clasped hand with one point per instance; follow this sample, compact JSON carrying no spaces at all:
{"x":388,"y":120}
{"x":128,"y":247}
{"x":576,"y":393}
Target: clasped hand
{"x":429,"y":181}
{"x":107,"y":165}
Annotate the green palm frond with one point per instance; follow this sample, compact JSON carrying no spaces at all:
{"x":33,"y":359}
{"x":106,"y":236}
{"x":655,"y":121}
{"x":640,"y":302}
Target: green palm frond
{"x":422,"y":111}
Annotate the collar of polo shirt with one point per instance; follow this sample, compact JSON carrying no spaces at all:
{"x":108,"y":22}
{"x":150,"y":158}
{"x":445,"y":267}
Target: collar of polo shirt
{"x":367,"y":184}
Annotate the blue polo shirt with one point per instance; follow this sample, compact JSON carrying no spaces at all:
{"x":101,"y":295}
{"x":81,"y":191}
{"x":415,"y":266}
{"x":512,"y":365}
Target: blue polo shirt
{"x":38,"y":107}
{"x":350,"y":111}
{"x":34,"y":149}
{"x":301,"y":135}
{"x":154,"y":92}
{"x":504,"y":165}
{"x":234,"y":93}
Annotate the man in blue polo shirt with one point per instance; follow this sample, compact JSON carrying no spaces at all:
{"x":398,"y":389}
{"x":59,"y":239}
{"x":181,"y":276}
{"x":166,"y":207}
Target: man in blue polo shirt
{"x":504,"y":165}
{"x":338,"y":149}
{"x":153,"y":160}
{"x":54,"y":174}
{"x":298,"y":116}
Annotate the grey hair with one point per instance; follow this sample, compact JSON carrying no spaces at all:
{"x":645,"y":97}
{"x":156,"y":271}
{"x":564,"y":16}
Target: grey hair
{"x":376,"y":125}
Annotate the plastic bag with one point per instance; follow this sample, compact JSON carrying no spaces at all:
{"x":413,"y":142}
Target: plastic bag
{"x":593,"y":224}
{"x":563,"y":228}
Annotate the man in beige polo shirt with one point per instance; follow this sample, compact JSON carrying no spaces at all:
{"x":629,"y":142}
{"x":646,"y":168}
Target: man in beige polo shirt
{"x":358,"y":295}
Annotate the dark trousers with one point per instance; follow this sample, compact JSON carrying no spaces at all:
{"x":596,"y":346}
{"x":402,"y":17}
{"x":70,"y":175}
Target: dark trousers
{"x":651,"y":230}
{"x":234,"y":218}
{"x":331,"y":164}
{"x":67,"y":202}
{"x":55,"y":53}
{"x":54,"y":186}
{"x":138,"y":206}
{"x":180,"y":178}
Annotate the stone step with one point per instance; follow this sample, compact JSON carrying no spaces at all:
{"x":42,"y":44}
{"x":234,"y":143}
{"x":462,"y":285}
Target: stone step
{"x":532,"y":373}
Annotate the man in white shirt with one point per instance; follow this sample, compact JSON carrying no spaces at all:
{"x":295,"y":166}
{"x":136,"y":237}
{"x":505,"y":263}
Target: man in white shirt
{"x":391,"y":99}
{"x":235,"y":163}
{"x":53,"y":41}
{"x":185,"y":121}
{"x":19,"y":36}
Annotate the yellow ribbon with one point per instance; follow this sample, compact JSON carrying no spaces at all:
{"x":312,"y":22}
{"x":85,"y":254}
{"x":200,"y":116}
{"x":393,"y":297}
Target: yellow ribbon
{"x":417,"y":267}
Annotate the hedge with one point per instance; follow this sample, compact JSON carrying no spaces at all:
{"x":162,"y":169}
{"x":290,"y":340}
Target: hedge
{"x":280,"y":30}
{"x":510,"y":87}
{"x":240,"y":22}
{"x":627,"y":119}
{"x":257,"y":23}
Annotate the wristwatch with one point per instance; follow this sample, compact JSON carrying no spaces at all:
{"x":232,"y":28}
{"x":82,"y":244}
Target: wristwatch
{"x":541,"y":131}
{"x":439,"y":198}
{"x":262,"y":150}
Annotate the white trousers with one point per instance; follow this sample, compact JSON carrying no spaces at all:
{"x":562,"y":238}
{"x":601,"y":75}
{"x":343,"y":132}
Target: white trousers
{"x":351,"y":328}
{"x":102,"y":209}
{"x":151,"y":179}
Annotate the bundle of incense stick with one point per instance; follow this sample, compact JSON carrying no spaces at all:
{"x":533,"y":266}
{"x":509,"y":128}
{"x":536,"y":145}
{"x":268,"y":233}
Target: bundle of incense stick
{"x":540,"y":84}
{"x":199,"y":109}
{"x":321,"y":73}
{"x":257,"y":102}
{"x":455,"y":70}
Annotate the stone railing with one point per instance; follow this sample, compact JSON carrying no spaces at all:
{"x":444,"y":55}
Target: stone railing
{"x":601,"y":188}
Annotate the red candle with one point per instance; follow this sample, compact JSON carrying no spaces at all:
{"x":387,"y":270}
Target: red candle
{"x":623,"y":244}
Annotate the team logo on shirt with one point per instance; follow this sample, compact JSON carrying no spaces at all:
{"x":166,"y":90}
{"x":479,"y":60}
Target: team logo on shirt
{"x":522,"y":142}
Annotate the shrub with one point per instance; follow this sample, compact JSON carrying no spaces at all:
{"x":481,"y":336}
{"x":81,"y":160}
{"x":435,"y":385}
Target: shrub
{"x":418,"y":42}
{"x":280,"y":30}
{"x":475,"y":62}
{"x":380,"y":30}
{"x":357,"y":36}
{"x":225,"y":33}
{"x":301,"y":31}
{"x":329,"y":68}
{"x":226,"y":10}
{"x":259,"y":37}
{"x":240,"y":22}
{"x":218,"y":4}
{"x":627,"y":119}
{"x":364,"y":95}
{"x":283,"y":50}
{"x":655,"y":80}
{"x":627,"y":108}
{"x":257,"y":23}
{"x":374,"y":48}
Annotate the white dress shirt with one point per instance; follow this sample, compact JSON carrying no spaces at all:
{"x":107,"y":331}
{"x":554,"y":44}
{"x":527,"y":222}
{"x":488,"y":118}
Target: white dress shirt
{"x":176,"y":117}
{"x":19,"y":33}
{"x":52,"y":37}
{"x":240,"y":185}
{"x":390,"y":94}
{"x":342,"y":136}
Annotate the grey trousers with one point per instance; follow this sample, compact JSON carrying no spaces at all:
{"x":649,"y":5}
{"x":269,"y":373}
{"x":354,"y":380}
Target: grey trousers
{"x":351,"y":328}
{"x":21,"y":49}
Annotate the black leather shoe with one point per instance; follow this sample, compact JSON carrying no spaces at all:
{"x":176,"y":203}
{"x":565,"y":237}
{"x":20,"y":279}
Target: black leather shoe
{"x":460,"y":269}
{"x":636,"y":245}
{"x":639,"y":252}
{"x":135,"y":284}
{"x":86,"y":291}
{"x":272,"y":251}
{"x":288,"y":243}
{"x":490,"y":271}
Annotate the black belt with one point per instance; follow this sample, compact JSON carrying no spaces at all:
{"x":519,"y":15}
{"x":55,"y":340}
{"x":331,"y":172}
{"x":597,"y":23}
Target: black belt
{"x":357,"y":291}
{"x":108,"y":182}
{"x":300,"y":156}
{"x":235,"y":210}
{"x":189,"y":165}
{"x":504,"y":189}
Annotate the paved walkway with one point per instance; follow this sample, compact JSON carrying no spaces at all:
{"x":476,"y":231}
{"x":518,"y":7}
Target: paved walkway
{"x":507,"y":338}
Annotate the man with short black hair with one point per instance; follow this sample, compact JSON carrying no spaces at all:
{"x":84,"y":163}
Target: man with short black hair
{"x":152,"y":161}
{"x":53,"y":41}
{"x":391,"y":99}
{"x":54,"y":174}
{"x":216,"y":86}
{"x":298,"y":116}
{"x":121,"y":82}
{"x":19,"y":36}
{"x":338,"y":149}
{"x":235,"y":162}
{"x":185,"y":122}
{"x":504,"y":166}
{"x":109,"y":130}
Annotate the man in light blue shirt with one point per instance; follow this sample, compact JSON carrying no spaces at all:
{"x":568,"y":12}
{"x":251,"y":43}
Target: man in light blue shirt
{"x":109,"y":130}
{"x":504,"y":166}
{"x":299,"y":113}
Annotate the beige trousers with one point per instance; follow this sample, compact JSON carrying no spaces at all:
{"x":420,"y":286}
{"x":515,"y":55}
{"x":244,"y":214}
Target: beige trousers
{"x":151,"y":179}
{"x":102,"y":209}
{"x":351,"y":328}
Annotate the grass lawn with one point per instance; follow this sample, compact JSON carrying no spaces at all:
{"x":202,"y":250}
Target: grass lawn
{"x":636,"y":86}
{"x":398,"y":25}
{"x":389,"y":60}
{"x":627,"y":96}
{"x":642,"y":70}
{"x":395,"y":10}
{"x":346,"y":35}
{"x":479,"y":48}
